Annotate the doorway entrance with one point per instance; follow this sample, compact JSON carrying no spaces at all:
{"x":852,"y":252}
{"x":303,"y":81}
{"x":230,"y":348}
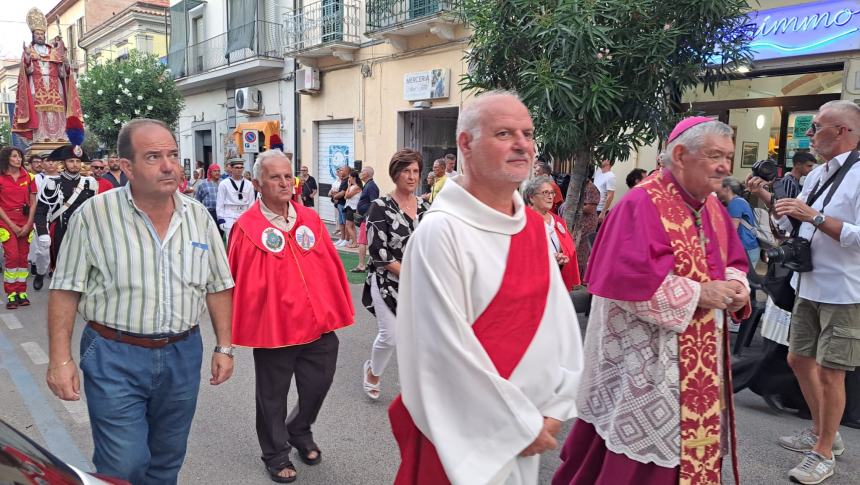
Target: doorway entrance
{"x":431,"y":132}
{"x":769,"y":114}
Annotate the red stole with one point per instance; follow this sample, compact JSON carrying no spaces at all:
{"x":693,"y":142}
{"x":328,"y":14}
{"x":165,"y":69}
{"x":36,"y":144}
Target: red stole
{"x":290,"y":288}
{"x":701,"y":390}
{"x":570,"y":271}
{"x":505,"y":329}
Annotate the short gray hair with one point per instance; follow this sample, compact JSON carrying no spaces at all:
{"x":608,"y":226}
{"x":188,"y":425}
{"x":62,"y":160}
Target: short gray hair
{"x":533,"y":186}
{"x":694,"y":138}
{"x":368,"y":169}
{"x":849,"y":113}
{"x":733,"y":184}
{"x":469,"y":120}
{"x":257,"y":170}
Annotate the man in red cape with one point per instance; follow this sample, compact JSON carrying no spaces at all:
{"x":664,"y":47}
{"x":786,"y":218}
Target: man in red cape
{"x":291,"y":295}
{"x":667,"y":271}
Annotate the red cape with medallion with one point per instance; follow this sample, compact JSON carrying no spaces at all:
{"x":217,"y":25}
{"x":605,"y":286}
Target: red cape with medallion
{"x":290,"y":287}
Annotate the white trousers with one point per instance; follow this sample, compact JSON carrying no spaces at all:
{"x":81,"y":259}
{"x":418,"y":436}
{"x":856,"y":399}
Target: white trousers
{"x":228,"y":225}
{"x":383,"y":346}
{"x":40,"y":256}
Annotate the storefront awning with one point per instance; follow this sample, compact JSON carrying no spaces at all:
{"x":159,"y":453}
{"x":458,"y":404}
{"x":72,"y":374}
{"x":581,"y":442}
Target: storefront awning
{"x":269,"y":128}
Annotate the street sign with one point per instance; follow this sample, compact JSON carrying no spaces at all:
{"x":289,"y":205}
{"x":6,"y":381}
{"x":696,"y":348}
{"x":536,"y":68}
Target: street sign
{"x":250,"y":143}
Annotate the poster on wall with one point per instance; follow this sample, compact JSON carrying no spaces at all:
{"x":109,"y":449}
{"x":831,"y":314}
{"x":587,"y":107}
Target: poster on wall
{"x":749,"y":153}
{"x":338,"y":156}
{"x":802,"y":123}
{"x":433,"y":84}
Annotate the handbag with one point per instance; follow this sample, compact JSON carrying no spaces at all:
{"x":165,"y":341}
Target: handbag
{"x":777,"y":284}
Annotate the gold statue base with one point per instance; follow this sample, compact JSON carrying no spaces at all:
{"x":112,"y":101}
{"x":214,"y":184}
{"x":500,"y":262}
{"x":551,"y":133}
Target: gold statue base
{"x":45,"y":147}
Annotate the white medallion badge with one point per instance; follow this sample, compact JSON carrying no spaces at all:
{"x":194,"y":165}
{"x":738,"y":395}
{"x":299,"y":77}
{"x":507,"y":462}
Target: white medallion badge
{"x":273,"y":239}
{"x":305,"y":238}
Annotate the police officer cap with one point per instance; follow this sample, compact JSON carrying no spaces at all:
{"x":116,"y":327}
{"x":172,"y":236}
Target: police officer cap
{"x":66,"y":152}
{"x":235,"y":161}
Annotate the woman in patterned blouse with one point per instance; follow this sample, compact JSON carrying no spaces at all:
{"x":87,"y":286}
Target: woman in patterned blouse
{"x":390,"y":221}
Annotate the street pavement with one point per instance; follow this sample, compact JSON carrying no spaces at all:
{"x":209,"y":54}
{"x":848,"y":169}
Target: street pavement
{"x":352,"y":431}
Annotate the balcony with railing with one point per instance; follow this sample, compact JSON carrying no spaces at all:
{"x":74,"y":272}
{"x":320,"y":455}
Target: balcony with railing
{"x":324,"y":28}
{"x":233,"y":52}
{"x":405,"y":17}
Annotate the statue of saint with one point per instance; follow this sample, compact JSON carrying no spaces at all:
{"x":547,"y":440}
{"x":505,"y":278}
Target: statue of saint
{"x":46,"y":94}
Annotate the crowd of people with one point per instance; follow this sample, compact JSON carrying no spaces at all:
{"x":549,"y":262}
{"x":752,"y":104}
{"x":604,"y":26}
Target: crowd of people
{"x":470,"y":286}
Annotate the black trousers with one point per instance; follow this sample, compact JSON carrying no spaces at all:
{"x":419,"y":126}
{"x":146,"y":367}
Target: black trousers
{"x":313,"y":365}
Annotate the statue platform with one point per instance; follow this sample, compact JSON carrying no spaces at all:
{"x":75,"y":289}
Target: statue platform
{"x":45,"y":147}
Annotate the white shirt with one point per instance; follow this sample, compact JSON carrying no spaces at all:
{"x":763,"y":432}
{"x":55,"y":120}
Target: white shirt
{"x":42,"y":179}
{"x":478,"y":421}
{"x":228,"y":204}
{"x":835,"y":277}
{"x":605,"y":182}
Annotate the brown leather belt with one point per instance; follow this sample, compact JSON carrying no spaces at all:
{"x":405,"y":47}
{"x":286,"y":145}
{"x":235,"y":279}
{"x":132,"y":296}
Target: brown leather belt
{"x":149,"y":343}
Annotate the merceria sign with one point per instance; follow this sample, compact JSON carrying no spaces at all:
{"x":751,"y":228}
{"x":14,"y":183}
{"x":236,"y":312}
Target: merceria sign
{"x":812,"y":28}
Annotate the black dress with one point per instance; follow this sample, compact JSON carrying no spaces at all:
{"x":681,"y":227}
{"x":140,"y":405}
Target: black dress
{"x":388,"y":231}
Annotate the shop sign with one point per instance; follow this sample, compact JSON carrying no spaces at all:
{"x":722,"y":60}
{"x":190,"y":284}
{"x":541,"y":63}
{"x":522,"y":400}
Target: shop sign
{"x":802,"y":123}
{"x":801,"y":30}
{"x":250,"y":143}
{"x":433,"y":84}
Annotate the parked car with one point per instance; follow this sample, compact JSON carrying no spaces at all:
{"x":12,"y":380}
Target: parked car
{"x":24,"y":462}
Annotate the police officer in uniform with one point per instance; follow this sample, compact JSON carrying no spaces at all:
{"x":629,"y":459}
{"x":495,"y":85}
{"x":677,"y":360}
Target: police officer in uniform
{"x":60,"y":198}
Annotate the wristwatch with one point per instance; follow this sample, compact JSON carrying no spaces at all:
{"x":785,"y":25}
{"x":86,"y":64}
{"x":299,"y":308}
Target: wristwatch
{"x":818,"y":219}
{"x":228,"y":351}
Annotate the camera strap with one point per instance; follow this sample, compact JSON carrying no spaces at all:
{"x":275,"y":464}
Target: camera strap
{"x":835,"y":180}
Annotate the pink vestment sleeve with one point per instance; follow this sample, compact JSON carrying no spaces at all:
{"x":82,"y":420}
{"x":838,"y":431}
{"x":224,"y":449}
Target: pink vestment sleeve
{"x":632,"y":255}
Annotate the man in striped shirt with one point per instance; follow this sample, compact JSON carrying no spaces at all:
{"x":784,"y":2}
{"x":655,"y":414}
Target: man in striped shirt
{"x":138,"y":263}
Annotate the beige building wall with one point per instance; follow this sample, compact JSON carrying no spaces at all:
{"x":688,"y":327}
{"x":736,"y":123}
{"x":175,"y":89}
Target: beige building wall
{"x":374,"y":103}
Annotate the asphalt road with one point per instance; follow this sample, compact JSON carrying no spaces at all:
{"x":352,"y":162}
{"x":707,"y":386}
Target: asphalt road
{"x":352,"y":431}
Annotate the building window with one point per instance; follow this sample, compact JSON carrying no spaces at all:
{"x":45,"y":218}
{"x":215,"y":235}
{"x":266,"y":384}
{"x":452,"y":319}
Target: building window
{"x":145,"y":43}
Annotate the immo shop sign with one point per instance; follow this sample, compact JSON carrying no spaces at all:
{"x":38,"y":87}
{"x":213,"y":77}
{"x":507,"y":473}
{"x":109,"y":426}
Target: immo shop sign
{"x":802,"y":30}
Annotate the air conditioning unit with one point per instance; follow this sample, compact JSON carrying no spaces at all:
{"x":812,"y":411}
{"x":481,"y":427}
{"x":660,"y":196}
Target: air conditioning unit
{"x":249,"y":101}
{"x":308,"y":80}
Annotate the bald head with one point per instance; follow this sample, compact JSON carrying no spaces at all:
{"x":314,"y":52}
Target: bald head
{"x":473,"y":111}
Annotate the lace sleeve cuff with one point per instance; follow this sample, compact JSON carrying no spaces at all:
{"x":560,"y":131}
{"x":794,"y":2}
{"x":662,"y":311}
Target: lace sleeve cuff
{"x":672,"y":305}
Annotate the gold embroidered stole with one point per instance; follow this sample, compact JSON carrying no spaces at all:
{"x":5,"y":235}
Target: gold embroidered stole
{"x":698,"y":361}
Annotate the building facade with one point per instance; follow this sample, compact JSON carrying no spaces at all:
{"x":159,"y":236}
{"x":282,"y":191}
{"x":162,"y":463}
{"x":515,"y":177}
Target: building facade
{"x":8,"y":87}
{"x":804,"y":54}
{"x":140,"y":26}
{"x":375,"y":76}
{"x":227,"y":57}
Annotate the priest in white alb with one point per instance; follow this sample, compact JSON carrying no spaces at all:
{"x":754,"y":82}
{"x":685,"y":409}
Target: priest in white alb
{"x":488,"y":343}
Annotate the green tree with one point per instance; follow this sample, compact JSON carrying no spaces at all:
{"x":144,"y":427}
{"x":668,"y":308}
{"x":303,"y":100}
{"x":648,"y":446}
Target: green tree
{"x":602,"y":77}
{"x":117,"y":91}
{"x":5,"y":133}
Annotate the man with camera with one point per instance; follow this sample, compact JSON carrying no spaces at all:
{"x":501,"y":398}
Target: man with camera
{"x":824,"y":340}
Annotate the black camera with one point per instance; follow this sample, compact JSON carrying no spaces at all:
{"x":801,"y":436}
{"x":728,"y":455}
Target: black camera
{"x":794,"y":254}
{"x":766,"y":170}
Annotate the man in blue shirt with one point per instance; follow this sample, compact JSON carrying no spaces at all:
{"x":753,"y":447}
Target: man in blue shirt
{"x":743,"y":217}
{"x":369,"y":193}
{"x":207,"y":190}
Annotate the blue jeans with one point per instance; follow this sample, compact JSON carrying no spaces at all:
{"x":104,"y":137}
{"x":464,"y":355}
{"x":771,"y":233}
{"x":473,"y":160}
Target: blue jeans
{"x":141,"y":403}
{"x":340,"y":219}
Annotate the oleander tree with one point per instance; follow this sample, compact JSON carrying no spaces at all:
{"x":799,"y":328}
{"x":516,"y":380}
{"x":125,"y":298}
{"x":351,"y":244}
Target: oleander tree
{"x":117,"y":91}
{"x":5,"y":133}
{"x":602,"y":77}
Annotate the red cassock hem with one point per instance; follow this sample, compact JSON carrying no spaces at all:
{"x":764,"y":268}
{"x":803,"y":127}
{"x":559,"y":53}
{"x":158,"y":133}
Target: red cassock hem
{"x":585,"y":460}
{"x":287,"y":292}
